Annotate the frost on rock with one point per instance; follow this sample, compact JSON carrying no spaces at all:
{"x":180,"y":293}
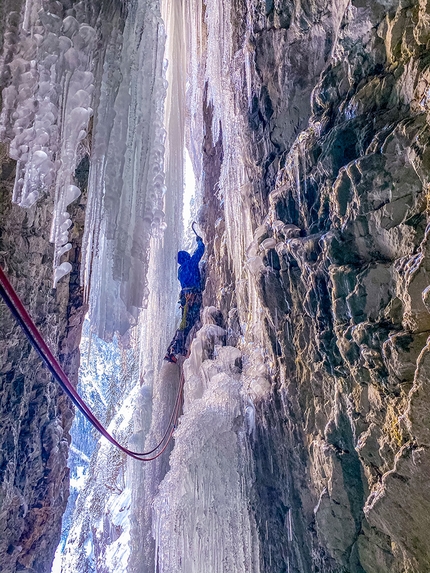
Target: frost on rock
{"x":203,"y":520}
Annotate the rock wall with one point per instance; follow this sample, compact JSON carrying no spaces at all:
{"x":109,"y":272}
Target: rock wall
{"x":35,"y":416}
{"x":338,"y":132}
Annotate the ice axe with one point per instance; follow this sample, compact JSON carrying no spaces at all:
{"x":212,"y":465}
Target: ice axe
{"x":195,"y":232}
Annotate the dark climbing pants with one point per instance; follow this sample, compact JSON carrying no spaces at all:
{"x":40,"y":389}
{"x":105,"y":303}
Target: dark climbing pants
{"x":191,"y":302}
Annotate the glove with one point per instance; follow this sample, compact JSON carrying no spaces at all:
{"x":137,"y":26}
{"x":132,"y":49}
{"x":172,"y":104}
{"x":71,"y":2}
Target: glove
{"x":199,"y":239}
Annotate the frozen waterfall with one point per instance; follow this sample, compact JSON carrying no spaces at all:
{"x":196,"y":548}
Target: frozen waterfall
{"x":195,"y":515}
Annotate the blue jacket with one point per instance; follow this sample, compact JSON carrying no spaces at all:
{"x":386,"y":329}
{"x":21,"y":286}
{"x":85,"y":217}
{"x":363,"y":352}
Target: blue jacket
{"x":188,"y":272}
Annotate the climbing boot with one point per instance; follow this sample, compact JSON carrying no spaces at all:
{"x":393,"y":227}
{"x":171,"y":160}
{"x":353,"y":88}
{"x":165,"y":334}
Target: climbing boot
{"x":171,"y":358}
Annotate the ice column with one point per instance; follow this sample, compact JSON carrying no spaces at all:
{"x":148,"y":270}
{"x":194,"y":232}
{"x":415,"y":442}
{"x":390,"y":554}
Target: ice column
{"x":159,"y":320}
{"x":125,"y":203}
{"x":195,"y":42}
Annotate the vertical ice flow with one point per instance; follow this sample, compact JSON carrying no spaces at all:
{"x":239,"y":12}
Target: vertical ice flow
{"x":160,"y":319}
{"x":215,"y":66}
{"x":125,"y":200}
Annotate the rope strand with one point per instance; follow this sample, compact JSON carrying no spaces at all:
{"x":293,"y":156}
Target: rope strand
{"x":23,"y":318}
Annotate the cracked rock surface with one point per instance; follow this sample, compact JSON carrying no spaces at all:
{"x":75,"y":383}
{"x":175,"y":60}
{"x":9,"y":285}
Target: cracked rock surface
{"x":339,"y":131}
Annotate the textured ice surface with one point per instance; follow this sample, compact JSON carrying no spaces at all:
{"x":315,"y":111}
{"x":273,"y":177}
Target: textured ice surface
{"x":126,"y":185}
{"x":106,"y":377}
{"x":159,"y":321}
{"x":156,"y":389}
{"x":100,"y":528}
{"x":216,"y":65}
{"x":52,"y":116}
{"x":46,"y":108}
{"x":203,"y":520}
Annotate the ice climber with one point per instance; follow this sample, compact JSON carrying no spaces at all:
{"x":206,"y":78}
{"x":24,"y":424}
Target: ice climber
{"x":190,"y":298}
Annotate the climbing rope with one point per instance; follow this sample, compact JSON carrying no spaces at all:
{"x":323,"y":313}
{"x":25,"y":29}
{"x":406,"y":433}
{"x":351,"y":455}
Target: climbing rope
{"x":36,"y":339}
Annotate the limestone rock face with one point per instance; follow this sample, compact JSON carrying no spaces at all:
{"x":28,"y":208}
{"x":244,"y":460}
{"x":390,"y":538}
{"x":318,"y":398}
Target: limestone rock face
{"x":338,"y":132}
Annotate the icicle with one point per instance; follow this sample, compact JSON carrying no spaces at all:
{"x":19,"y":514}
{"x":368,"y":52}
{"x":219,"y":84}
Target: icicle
{"x":49,"y":96}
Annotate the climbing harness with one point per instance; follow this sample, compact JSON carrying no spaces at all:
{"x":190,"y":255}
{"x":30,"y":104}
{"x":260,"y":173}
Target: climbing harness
{"x":34,"y":336}
{"x":190,"y":299}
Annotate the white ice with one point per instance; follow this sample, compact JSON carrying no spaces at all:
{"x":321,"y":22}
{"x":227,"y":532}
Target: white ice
{"x":53,"y":65}
{"x":203,"y":521}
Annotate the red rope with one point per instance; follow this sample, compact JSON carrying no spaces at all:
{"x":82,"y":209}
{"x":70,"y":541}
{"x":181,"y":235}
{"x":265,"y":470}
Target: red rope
{"x":31,"y":331}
